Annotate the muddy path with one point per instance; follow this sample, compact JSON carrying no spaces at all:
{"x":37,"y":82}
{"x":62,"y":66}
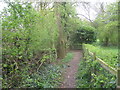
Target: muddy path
{"x":70,"y":72}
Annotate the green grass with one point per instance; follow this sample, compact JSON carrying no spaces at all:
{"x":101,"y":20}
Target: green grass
{"x":107,"y":54}
{"x":67,"y":58}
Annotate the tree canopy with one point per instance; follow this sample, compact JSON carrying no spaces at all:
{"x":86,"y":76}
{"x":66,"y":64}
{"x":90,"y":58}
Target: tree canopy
{"x":107,"y":25}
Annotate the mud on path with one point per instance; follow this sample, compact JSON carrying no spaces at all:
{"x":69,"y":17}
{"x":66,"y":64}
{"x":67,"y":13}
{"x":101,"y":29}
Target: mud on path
{"x":70,"y":72}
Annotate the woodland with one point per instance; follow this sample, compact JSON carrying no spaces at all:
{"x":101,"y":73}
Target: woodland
{"x":38,"y":40}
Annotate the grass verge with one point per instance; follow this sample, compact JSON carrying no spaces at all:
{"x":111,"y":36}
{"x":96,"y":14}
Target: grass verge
{"x":107,"y":54}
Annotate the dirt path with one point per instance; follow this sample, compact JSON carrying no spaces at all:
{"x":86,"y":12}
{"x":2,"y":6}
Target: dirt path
{"x":70,"y":72}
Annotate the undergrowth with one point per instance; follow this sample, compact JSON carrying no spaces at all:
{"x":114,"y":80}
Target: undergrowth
{"x":107,"y":54}
{"x":49,"y":76}
{"x":67,"y":58}
{"x":92,"y":75}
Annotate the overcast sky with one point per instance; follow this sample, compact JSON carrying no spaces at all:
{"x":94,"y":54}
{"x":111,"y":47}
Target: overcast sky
{"x":79,"y":9}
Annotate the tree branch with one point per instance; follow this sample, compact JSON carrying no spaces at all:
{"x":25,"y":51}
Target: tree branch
{"x":86,"y":17}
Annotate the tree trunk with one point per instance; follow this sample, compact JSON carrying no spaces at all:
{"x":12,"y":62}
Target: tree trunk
{"x":106,"y":41}
{"x":61,"y":40}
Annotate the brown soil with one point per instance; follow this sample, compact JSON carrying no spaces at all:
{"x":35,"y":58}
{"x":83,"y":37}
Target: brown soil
{"x":70,"y":72}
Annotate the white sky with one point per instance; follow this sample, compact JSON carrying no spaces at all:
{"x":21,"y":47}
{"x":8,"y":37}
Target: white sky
{"x":93,"y":14}
{"x":78,"y":9}
{"x":2,"y":5}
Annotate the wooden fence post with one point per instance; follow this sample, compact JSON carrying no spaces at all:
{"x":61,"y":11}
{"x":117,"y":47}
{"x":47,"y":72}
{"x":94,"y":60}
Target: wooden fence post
{"x":94,"y":56}
{"x":83,"y":49}
{"x":118,"y":78}
{"x":87,"y":52}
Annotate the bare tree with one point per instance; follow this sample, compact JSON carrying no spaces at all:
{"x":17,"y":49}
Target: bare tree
{"x":88,"y":7}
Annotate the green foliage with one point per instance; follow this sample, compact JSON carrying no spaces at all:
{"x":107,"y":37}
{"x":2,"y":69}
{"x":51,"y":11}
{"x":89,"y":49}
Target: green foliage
{"x":107,"y":25}
{"x":92,"y":75}
{"x":84,"y":34}
{"x":48,"y":77}
{"x":67,"y":58}
{"x":69,"y":20}
{"x":17,"y":26}
{"x":68,"y":17}
{"x":107,"y":54}
{"x":30,"y":40}
{"x":26,"y":33}
{"x":45,"y":31}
